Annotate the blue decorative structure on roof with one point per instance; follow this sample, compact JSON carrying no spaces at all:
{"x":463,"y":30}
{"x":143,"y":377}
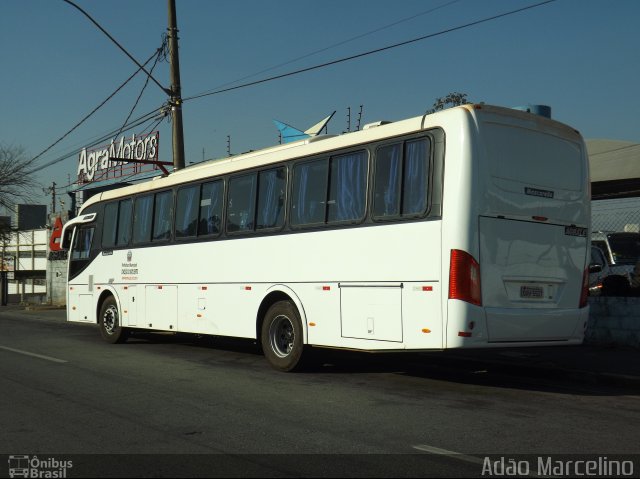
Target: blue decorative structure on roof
{"x":289,"y":133}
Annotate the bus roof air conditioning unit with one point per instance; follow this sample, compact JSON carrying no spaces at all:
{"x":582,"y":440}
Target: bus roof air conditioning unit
{"x":542,"y":110}
{"x":375,"y":124}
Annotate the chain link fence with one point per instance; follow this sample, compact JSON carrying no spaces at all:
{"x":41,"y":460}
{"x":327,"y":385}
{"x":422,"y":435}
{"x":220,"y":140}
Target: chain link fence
{"x":616,"y":215}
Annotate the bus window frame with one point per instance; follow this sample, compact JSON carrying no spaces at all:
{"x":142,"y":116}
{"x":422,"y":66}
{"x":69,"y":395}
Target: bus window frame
{"x":430,"y":179}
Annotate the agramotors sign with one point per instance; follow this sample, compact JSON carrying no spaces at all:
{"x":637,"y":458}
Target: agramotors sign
{"x":139,"y":148}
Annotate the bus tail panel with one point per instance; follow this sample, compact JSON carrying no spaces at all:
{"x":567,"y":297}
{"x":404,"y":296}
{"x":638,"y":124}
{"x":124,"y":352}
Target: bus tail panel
{"x":531,"y":279}
{"x":522,"y":325}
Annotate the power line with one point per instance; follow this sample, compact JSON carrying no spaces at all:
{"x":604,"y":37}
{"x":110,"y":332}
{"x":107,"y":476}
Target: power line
{"x":161,"y":54}
{"x":370,"y":52}
{"x":149,"y":129}
{"x":149,"y":115}
{"x":137,"y":122}
{"x":165,"y":90}
{"x":89,"y":114}
{"x":315,"y":52}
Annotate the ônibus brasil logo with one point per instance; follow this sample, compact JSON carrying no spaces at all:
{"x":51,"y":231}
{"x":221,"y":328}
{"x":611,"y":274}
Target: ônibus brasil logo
{"x":33,"y":466}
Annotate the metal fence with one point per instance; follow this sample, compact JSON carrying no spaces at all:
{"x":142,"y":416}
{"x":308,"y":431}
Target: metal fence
{"x":616,"y":215}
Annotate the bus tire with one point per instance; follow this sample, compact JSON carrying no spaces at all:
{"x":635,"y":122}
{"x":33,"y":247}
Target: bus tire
{"x":109,"y":321}
{"x":281,"y":336}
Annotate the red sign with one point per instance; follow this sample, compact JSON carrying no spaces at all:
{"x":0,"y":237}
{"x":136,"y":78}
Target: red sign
{"x":56,"y":235}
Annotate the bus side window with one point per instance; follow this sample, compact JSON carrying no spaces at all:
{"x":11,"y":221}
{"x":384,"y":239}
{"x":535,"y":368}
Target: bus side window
{"x":347,"y":187}
{"x":415,"y":181}
{"x":82,"y":244}
{"x":271,"y":196}
{"x":308,"y":202}
{"x":162,"y":215}
{"x":109,"y":226}
{"x":124,"y":223}
{"x":187,"y":211}
{"x":116,"y":229}
{"x":387,"y":181}
{"x":211,"y":208}
{"x":401,"y":179}
{"x":142,"y":219}
{"x":242,"y":203}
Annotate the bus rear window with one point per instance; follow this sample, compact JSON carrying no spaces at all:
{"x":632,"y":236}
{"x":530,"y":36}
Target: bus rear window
{"x":533,"y":158}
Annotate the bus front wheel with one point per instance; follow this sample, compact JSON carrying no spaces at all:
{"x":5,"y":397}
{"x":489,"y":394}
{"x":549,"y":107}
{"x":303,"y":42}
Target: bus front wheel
{"x":281,"y":336}
{"x":109,"y":320}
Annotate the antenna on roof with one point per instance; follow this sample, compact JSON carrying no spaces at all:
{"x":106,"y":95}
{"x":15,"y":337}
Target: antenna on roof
{"x":359,"y":118}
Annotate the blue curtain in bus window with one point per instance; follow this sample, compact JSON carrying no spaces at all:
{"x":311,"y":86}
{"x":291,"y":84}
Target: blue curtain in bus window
{"x":124,"y":223}
{"x":271,"y":186}
{"x":187,"y":211}
{"x":347,"y":187}
{"x":386,"y":198}
{"x":143,"y":219}
{"x":210,"y":208}
{"x":162,"y":216}
{"x":415,"y":175}
{"x":309,"y":193}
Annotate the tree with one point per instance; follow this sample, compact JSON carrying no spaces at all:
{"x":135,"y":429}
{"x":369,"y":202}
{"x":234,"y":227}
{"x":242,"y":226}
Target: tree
{"x":16,"y":176}
{"x":16,"y":179}
{"x":453,"y":99}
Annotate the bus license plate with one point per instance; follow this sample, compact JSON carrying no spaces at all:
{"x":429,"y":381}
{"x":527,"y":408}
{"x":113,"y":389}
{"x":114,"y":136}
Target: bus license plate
{"x":531,"y":292}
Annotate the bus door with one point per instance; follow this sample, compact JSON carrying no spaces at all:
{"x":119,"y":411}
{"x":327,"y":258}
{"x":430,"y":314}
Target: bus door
{"x":78,"y":238}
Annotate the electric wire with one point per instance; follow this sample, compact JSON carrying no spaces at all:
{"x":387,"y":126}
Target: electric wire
{"x":370,"y":52}
{"x":149,"y":115}
{"x":137,"y":122}
{"x":141,"y":67}
{"x":160,"y":53}
{"x":122,"y":180}
{"x":86,"y":117}
{"x":343,"y":42}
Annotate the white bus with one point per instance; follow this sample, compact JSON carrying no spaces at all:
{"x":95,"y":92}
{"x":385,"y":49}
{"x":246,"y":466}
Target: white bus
{"x":467,"y":228}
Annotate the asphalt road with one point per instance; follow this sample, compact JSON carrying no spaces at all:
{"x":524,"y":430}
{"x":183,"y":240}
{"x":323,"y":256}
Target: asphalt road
{"x":166,"y":406}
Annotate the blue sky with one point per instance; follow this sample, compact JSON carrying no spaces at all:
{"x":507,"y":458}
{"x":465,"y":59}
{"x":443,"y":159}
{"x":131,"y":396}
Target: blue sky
{"x":581,"y":57}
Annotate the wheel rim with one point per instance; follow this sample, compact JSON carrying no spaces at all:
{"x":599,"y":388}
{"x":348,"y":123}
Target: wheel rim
{"x":110,"y":319}
{"x":282,"y":336}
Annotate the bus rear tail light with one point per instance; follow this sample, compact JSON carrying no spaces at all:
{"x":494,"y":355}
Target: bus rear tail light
{"x":584,"y":294}
{"x":464,"y":278}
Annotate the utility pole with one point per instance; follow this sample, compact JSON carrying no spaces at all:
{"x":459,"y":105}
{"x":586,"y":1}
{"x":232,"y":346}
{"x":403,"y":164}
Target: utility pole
{"x":52,"y":190}
{"x":176,"y":98}
{"x":53,"y":198}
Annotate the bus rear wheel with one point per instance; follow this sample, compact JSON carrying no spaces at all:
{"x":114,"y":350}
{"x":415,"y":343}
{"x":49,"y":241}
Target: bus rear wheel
{"x":109,"y":320}
{"x":281,"y":336}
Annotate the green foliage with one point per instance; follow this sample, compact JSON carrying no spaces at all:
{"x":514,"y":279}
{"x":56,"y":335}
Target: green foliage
{"x":452,"y":99}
